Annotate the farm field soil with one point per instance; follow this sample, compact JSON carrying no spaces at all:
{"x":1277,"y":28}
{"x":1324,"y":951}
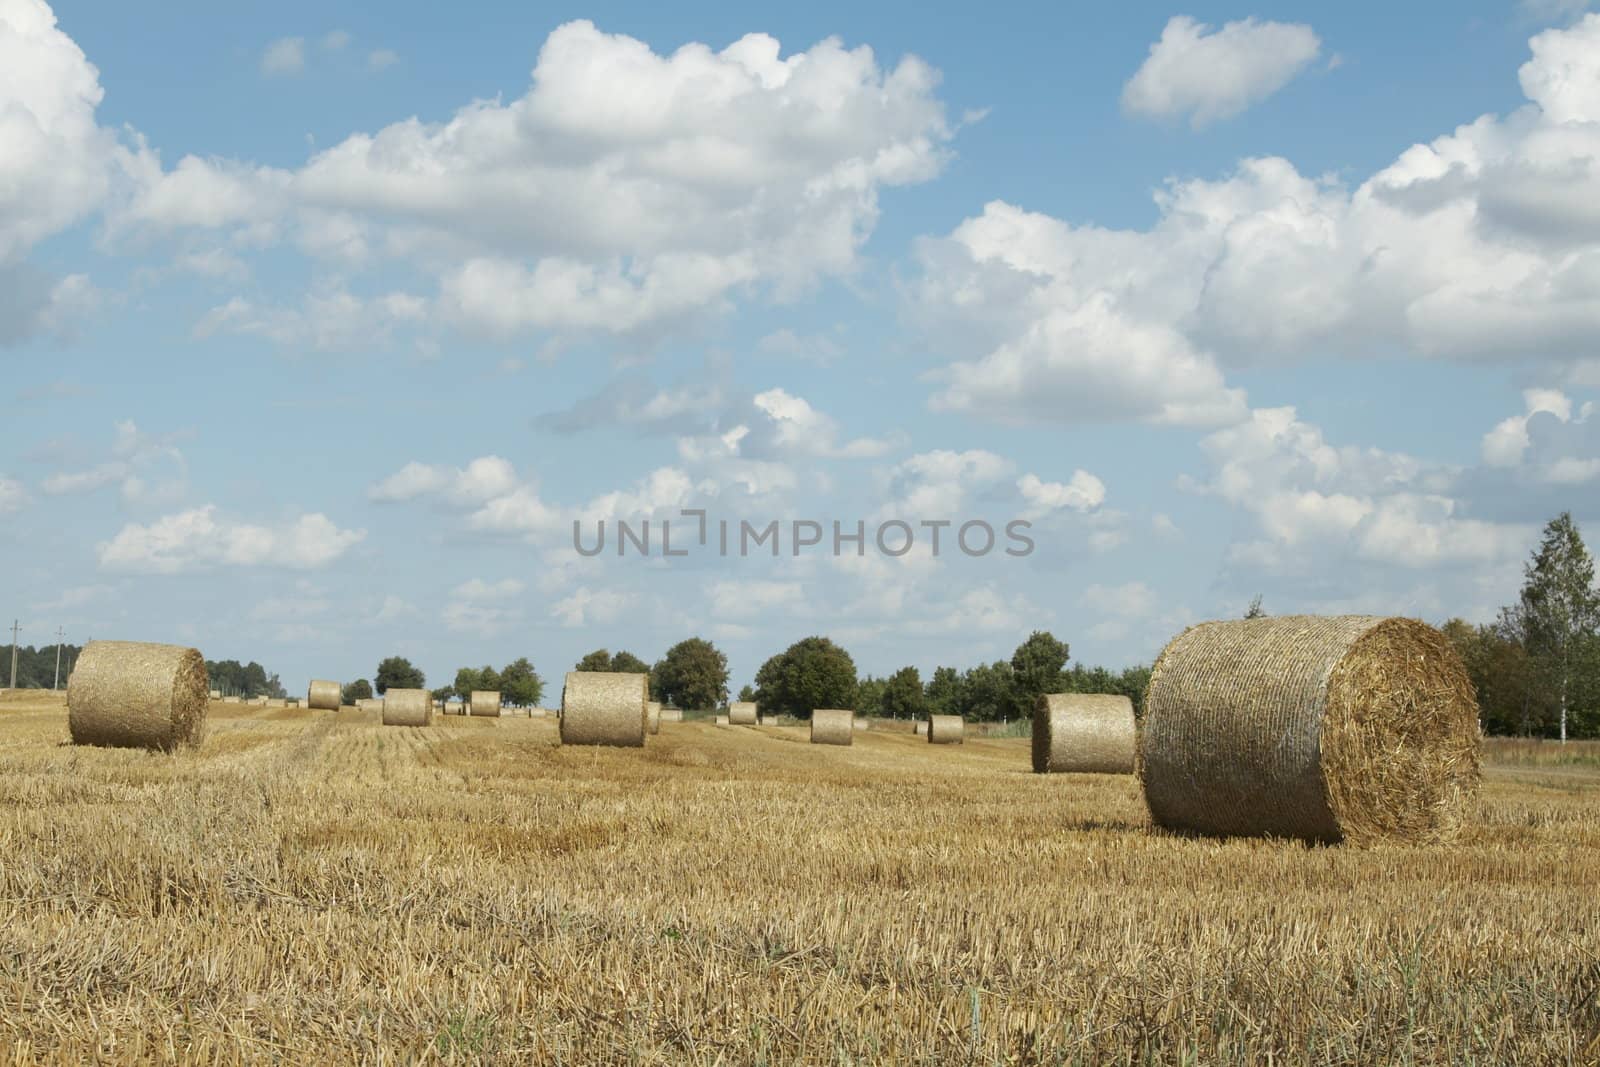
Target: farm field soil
{"x":311,"y":887}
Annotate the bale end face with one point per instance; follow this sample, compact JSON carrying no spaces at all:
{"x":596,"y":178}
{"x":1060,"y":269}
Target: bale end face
{"x":1090,"y":733}
{"x":324,"y":696}
{"x":742,"y":713}
{"x":485,"y":702}
{"x":946,"y":730}
{"x":833,"y":726}
{"x":134,"y":695}
{"x":407,"y":707}
{"x":605,"y":708}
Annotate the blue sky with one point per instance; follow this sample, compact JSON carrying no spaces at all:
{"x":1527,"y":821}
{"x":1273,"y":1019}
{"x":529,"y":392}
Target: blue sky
{"x":322,"y":327}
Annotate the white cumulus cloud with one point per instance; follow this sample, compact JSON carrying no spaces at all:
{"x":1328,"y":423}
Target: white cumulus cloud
{"x":198,"y":539}
{"x":1209,"y":74}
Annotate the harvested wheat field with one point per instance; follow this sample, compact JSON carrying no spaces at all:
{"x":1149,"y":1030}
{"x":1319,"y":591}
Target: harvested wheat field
{"x":309,"y":887}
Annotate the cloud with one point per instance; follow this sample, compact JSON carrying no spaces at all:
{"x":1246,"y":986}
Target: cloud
{"x":382,"y":59}
{"x":335,"y":40}
{"x":1216,"y":75}
{"x":482,"y":480}
{"x":1554,"y":442}
{"x":751,"y":599}
{"x":478,"y":607}
{"x":1481,"y":246}
{"x":936,"y":485}
{"x":135,"y":457}
{"x":1504,"y":445}
{"x":1084,"y":492}
{"x":805,"y":348}
{"x":589,"y":607}
{"x":1133,"y":600}
{"x":12,"y":496}
{"x":286,"y":55}
{"x":625,"y":193}
{"x":197,"y":539}
{"x":800,"y":429}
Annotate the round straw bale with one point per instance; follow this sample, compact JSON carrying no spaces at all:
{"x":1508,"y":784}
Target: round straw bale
{"x":1087,"y":732}
{"x":225,"y":700}
{"x":832,"y":726}
{"x":215,"y":694}
{"x":407,"y":707}
{"x":604,"y":708}
{"x":538,"y":713}
{"x":135,"y":695}
{"x":276,"y":702}
{"x":652,"y":711}
{"x":946,"y":729}
{"x":485,"y":702}
{"x":721,"y":720}
{"x":742,"y":713}
{"x":1325,"y":728}
{"x":921,"y":728}
{"x":859,"y":723}
{"x":671,"y":714}
{"x":323,"y":696}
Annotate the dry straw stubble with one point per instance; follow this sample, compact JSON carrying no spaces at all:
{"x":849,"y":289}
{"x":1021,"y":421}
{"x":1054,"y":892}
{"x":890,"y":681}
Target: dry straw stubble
{"x":604,"y":708}
{"x":136,"y":695}
{"x":1325,"y":728}
{"x":1084,"y":732}
{"x":407,"y":707}
{"x":946,"y":729}
{"x":485,"y":702}
{"x":832,"y":726}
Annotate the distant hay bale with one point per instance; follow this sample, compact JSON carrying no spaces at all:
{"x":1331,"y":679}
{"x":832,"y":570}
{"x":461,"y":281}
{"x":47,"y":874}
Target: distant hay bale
{"x":721,"y":720}
{"x":742,"y":713}
{"x":652,"y":711}
{"x":130,"y":694}
{"x":323,"y":696}
{"x":671,"y":714}
{"x":538,"y":713}
{"x":946,"y":730}
{"x":407,"y":707}
{"x":859,"y":723}
{"x":1337,"y":728}
{"x":214,"y":694}
{"x":832,"y":726}
{"x":293,"y":702}
{"x":921,"y":728}
{"x":276,"y":702}
{"x":225,"y":700}
{"x":1084,"y":732}
{"x":485,"y":702}
{"x":604,"y":708}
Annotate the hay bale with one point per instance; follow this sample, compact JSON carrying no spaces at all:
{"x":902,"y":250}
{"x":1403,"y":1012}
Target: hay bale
{"x":652,"y":711}
{"x":485,"y":702}
{"x":214,"y":694}
{"x":742,"y":713}
{"x":225,"y":700}
{"x":1325,"y":728}
{"x":293,"y":702}
{"x":721,"y":720}
{"x":1084,"y":732}
{"x":671,"y":714}
{"x":276,"y":702}
{"x":135,"y":695}
{"x":946,"y":730}
{"x":407,"y":707}
{"x":833,"y":726}
{"x":538,"y":713}
{"x":604,"y":708}
{"x":859,"y":723}
{"x":921,"y":728}
{"x":324,"y":696}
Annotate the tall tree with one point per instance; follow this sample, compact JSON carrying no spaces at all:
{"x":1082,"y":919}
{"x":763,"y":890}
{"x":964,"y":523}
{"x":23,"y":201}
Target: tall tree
{"x":747,"y":693}
{"x":598,"y":660}
{"x":989,"y":691}
{"x":811,"y":673}
{"x":360,"y":689}
{"x":903,"y":696}
{"x":1255,"y":610}
{"x":693,"y":674}
{"x":1036,"y":666}
{"x":628,"y":663}
{"x":397,"y":672}
{"x":869,"y":697}
{"x":519,"y":684}
{"x":1561,"y":608}
{"x":944,"y":691}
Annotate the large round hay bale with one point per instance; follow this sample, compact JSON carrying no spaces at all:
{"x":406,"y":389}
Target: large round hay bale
{"x":671,"y":714}
{"x":323,"y":696}
{"x":1084,"y":732}
{"x":946,"y":730}
{"x":135,"y":695}
{"x":485,"y":702}
{"x":407,"y":707}
{"x":721,"y":720}
{"x":742,"y":713}
{"x":1326,"y":728}
{"x":652,"y":712}
{"x":832,"y":726}
{"x":921,"y":728}
{"x":604,"y":708}
{"x":859,"y":723}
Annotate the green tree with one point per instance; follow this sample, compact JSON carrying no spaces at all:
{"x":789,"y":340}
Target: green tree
{"x":903,"y":696}
{"x":869,"y":697}
{"x":443,"y":693}
{"x":989,"y":692}
{"x":1036,"y":667}
{"x":598,"y":660}
{"x":944,"y":691}
{"x":519,"y":684}
{"x":1132,"y":683}
{"x":1255,"y":610}
{"x":1561,"y":609}
{"x":396,"y":672}
{"x":811,"y":673}
{"x":628,"y":663}
{"x":693,"y":674}
{"x":360,"y":689}
{"x":747,"y":694}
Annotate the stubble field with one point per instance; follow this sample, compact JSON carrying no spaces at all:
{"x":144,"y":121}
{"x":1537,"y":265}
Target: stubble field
{"x":311,"y":887}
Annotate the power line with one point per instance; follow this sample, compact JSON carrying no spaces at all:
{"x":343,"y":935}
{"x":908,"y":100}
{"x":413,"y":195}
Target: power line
{"x":60,"y":633}
{"x":14,"y":628}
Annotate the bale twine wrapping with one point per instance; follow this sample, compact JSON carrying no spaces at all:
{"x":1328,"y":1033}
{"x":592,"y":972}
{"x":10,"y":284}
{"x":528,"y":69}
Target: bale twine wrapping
{"x":1084,"y":732}
{"x":742,"y":713}
{"x":832,"y":726}
{"x":1325,"y":728}
{"x":323,"y":696}
{"x":407,"y":707}
{"x":921,"y":728}
{"x":946,"y":730}
{"x":485,"y":702}
{"x":652,"y":711}
{"x":604,"y":708}
{"x":135,"y":695}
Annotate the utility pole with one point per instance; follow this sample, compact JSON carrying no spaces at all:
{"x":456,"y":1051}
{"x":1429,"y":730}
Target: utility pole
{"x":60,"y":633}
{"x":14,"y":629}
